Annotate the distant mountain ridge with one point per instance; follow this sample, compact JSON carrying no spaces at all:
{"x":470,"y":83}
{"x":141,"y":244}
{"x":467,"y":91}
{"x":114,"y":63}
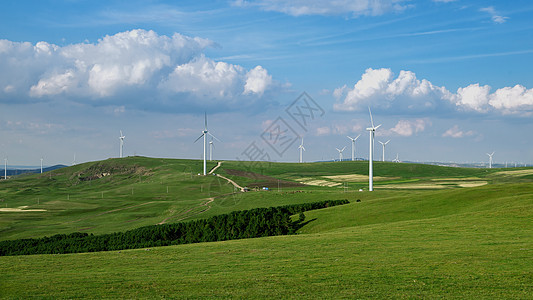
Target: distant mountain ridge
{"x":18,"y":170}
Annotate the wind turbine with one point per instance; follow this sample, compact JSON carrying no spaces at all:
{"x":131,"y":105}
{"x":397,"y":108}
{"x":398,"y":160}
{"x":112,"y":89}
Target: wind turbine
{"x":121,"y":137}
{"x":204,"y":134}
{"x":383,"y":144}
{"x":211,"y":146}
{"x":490,"y":159}
{"x":340,"y":152}
{"x":301,"y":147}
{"x":353,"y":145}
{"x":5,"y":168}
{"x":371,"y":131}
{"x":74,"y":161}
{"x":41,"y":165}
{"x":397,"y":160}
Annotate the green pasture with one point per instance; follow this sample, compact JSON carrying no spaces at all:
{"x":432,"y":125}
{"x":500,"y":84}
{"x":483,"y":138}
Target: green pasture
{"x":459,"y":243}
{"x":121,"y":194}
{"x":425,"y":232}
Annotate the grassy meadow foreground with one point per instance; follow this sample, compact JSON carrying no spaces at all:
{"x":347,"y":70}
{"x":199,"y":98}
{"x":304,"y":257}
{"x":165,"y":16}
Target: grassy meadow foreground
{"x":426,"y":231}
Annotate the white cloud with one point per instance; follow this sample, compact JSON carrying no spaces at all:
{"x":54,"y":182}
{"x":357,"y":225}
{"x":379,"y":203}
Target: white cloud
{"x":378,"y":88}
{"x":406,"y":128}
{"x":320,"y":131}
{"x":474,"y":97}
{"x":495,"y":16}
{"x":340,"y":129}
{"x":318,"y":7}
{"x":257,"y":81}
{"x":136,"y":67}
{"x":206,"y":78}
{"x":407,"y":94}
{"x":455,"y":132}
{"x":513,"y":99}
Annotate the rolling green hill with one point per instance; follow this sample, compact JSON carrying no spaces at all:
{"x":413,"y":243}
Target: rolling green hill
{"x":426,"y":231}
{"x":121,"y":194}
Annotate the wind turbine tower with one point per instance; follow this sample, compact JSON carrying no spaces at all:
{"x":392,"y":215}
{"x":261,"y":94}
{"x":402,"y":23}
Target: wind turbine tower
{"x":383,"y":144}
{"x":371,"y":131}
{"x":211,"y":146}
{"x":204,"y":134}
{"x":121,"y":137}
{"x":41,"y":166}
{"x":5,"y":168}
{"x":490,"y":159}
{"x":340,"y":152}
{"x":353,"y":145}
{"x":301,"y":147}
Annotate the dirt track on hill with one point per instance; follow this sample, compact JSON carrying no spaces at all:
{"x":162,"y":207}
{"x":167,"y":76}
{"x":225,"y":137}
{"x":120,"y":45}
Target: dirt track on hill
{"x":263,"y":180}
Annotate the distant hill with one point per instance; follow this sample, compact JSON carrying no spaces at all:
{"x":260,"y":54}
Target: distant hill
{"x":19,"y":171}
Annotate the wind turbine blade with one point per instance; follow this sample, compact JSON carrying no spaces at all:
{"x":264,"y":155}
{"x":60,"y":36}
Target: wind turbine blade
{"x":376,"y":126}
{"x":387,"y":142}
{"x":350,"y":138}
{"x":371,"y":120}
{"x":343,"y":148}
{"x":357,"y":137}
{"x":303,"y":148}
{"x":338,"y":149}
{"x":121,"y":133}
{"x":214,"y":137}
{"x":205,"y":119}
{"x":199,"y":137}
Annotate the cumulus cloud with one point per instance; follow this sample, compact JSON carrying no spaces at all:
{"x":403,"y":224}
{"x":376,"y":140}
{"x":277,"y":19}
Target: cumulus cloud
{"x":474,"y":97}
{"x":131,"y":63}
{"x":257,"y":81}
{"x":513,"y":99}
{"x":406,"y":93}
{"x":317,"y":7}
{"x":456,"y":133}
{"x":495,"y":16}
{"x":379,"y":88}
{"x":339,"y":129}
{"x":405,"y":128}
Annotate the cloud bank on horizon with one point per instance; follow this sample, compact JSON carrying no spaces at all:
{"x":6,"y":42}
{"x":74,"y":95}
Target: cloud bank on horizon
{"x":408,"y":94}
{"x":138,"y":68}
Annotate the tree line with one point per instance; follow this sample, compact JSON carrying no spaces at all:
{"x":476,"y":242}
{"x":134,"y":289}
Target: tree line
{"x":258,"y":222}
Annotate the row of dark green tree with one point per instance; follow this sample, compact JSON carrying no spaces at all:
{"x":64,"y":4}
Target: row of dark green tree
{"x":252,"y":223}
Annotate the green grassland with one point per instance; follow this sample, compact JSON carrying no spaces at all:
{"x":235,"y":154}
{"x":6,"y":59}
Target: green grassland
{"x":424,"y":233}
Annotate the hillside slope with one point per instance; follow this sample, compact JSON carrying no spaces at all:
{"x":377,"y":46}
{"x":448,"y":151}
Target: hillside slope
{"x":465,"y":244}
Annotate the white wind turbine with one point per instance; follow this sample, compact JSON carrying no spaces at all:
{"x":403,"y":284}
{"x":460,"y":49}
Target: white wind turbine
{"x":211,"y":146}
{"x":121,"y":137}
{"x":371,"y":131}
{"x":397,"y":159}
{"x":301,"y":147}
{"x":353,"y":145}
{"x":340,"y":152}
{"x":383,"y":144}
{"x":490,"y":159}
{"x":5,"y":168}
{"x":205,"y":132}
{"x":41,"y":165}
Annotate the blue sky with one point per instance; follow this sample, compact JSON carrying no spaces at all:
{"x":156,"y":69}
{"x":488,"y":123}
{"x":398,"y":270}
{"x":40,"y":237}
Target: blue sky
{"x":449,"y":80}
